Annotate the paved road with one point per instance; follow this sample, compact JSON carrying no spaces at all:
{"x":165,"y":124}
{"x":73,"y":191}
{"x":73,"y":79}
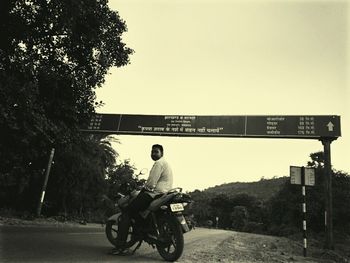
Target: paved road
{"x":82,"y":244}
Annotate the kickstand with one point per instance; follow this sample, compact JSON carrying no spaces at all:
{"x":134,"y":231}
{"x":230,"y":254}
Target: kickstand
{"x":137,"y":247}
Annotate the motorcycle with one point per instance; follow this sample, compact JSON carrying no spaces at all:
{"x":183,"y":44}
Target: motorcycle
{"x":165,"y":225}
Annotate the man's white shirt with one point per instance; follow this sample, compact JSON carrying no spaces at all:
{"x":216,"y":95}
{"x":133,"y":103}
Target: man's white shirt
{"x":160,"y":177}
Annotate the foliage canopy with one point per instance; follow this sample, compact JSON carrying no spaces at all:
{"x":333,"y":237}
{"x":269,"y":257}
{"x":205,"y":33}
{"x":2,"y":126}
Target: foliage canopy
{"x":53,"y":55}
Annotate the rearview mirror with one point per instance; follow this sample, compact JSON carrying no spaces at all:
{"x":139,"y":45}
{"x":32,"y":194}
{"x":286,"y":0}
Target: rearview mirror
{"x":143,"y":171}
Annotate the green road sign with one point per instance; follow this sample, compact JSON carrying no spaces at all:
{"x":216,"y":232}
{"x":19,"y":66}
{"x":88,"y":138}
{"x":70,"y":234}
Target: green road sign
{"x":306,"y":126}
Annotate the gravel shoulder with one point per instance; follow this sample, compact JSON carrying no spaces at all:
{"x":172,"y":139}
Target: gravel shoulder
{"x":246,"y":247}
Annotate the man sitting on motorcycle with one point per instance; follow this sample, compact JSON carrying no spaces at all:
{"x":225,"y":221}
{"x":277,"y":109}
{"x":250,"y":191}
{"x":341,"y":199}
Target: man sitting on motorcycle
{"x":160,"y":181}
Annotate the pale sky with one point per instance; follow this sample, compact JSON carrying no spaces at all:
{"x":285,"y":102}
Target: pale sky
{"x":232,"y":58}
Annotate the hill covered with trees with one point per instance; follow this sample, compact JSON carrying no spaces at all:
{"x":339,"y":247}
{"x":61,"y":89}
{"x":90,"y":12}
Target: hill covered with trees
{"x":263,"y":189}
{"x":273,"y":206}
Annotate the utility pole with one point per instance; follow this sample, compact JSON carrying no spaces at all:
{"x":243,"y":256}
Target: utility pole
{"x":303,"y":190}
{"x":329,"y":197}
{"x":47,"y":173}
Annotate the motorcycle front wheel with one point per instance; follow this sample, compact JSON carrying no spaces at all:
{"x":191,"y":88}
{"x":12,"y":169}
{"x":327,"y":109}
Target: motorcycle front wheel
{"x":111,"y":231}
{"x":172,"y":236}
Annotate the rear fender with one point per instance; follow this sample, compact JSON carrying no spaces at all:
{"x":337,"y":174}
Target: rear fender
{"x":181,"y":219}
{"x":154,"y":206}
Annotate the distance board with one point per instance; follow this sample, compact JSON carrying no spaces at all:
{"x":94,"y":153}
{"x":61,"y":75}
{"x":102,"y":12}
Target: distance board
{"x":308,"y":127}
{"x":296,"y":178}
{"x":295,"y":174}
{"x":309,"y":176}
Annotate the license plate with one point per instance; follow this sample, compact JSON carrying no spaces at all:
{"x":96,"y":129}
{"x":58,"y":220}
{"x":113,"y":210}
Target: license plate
{"x":176,"y":207}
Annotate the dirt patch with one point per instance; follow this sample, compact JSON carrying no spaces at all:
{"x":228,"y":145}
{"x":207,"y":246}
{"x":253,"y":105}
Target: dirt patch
{"x":245,"y":247}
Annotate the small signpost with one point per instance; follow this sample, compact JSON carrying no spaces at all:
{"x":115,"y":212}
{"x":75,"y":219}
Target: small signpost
{"x":303,"y":176}
{"x":296,"y":175}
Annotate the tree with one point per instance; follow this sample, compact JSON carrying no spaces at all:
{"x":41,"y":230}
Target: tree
{"x":53,"y":55}
{"x":119,"y":179}
{"x":341,"y":201}
{"x":201,"y":208}
{"x":239,"y":217}
{"x":222,"y":206}
{"x":78,"y":178}
{"x":317,"y":160}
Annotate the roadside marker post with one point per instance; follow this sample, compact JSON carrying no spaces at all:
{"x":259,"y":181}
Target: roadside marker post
{"x":47,"y":173}
{"x":303,"y":176}
{"x":304,"y":208}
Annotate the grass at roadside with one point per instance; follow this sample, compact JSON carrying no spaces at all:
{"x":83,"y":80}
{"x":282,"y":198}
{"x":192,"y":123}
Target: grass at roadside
{"x":12,"y":220}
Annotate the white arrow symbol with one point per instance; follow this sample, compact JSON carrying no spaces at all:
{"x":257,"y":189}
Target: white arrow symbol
{"x":330,"y":126}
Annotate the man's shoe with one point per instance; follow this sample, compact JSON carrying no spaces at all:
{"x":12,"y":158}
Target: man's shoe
{"x":120,"y":252}
{"x":119,"y":244}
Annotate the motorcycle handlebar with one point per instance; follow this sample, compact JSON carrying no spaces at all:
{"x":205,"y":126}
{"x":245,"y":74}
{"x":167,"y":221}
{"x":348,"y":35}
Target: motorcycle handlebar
{"x":141,"y":187}
{"x":175,"y":189}
{"x":120,"y":195}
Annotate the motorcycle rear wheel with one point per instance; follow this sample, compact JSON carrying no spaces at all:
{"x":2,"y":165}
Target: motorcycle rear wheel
{"x":111,"y":231}
{"x":171,"y":233}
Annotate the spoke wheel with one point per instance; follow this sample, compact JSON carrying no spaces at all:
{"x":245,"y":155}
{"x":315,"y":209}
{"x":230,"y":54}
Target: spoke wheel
{"x":112,"y":233}
{"x":172,"y":237}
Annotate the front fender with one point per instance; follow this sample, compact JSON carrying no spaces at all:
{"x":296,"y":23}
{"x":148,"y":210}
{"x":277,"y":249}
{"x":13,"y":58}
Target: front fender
{"x":114,"y":217}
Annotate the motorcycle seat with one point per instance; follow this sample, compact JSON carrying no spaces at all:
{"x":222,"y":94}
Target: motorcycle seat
{"x":155,"y":204}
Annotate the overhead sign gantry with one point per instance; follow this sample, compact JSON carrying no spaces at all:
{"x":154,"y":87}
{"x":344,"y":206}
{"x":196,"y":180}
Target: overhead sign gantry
{"x":304,"y":127}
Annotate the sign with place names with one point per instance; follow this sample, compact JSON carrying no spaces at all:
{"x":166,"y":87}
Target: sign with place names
{"x":309,"y":176}
{"x":307,"y":127}
{"x":296,"y":175}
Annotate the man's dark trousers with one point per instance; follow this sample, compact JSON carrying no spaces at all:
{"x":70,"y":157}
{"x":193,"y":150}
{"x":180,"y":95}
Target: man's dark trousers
{"x":140,"y":203}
